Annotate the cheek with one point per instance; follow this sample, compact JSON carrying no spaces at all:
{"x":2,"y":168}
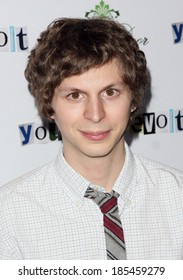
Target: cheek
{"x":65,"y":119}
{"x":121,"y":112}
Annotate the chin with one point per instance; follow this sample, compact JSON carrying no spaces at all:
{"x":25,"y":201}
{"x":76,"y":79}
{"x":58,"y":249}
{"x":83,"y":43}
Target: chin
{"x":97,"y":154}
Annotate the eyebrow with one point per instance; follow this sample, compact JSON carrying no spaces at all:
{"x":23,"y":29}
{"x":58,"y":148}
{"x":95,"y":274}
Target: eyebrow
{"x":75,"y":89}
{"x":113,"y":85}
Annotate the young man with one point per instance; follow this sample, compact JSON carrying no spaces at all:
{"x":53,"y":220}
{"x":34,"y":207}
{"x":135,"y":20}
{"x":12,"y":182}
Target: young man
{"x":90,"y":77}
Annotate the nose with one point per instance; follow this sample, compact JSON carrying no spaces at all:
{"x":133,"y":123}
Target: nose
{"x":94,"y":110}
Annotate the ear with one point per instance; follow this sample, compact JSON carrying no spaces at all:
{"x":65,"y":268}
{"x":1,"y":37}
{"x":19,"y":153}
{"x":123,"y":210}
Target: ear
{"x":52,"y":117}
{"x":133,"y":108}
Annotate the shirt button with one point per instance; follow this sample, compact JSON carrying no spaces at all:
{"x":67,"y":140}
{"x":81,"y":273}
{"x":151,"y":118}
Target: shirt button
{"x":78,"y":204}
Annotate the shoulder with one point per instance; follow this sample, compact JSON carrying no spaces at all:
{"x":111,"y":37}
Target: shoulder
{"x":158,"y":173}
{"x":159,"y":188}
{"x":27,"y":182}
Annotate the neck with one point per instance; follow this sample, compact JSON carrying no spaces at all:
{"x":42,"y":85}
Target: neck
{"x":101,"y":171}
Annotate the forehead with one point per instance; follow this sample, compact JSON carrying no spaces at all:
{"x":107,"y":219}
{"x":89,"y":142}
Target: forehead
{"x":108,"y":73}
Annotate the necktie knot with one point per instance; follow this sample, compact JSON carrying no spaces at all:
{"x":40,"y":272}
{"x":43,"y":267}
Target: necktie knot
{"x":109,"y":206}
{"x":106,"y":201}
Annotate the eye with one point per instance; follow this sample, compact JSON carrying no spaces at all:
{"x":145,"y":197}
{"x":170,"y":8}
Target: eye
{"x":75,"y":96}
{"x":110,"y":92}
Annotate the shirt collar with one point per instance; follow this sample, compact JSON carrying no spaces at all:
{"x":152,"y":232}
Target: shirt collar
{"x":76,"y":185}
{"x":125,"y":184}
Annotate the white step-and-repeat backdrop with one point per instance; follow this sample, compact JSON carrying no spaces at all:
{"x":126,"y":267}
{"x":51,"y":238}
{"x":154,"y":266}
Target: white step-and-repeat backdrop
{"x":158,"y":27}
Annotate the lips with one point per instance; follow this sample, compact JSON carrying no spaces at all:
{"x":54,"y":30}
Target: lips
{"x":95,"y":135}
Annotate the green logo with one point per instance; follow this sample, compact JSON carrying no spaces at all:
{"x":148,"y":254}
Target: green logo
{"x":102,"y":10}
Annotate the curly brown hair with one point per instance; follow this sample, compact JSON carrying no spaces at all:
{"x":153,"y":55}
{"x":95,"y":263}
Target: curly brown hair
{"x":71,"y":46}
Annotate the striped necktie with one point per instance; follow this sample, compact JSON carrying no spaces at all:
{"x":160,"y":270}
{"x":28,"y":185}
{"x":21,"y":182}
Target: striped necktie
{"x":115,"y":246}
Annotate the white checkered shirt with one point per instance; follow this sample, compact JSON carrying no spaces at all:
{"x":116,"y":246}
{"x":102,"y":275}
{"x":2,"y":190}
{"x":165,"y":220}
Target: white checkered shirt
{"x":44,"y":214}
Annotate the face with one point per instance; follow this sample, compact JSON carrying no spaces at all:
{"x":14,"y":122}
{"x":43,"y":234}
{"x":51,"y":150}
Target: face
{"x":92,"y":111}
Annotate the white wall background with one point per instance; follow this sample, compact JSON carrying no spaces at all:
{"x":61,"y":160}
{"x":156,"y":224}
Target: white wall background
{"x":152,"y":19}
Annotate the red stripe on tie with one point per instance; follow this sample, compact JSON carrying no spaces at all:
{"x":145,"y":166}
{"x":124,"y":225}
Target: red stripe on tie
{"x":108,"y":205}
{"x":113,"y":228}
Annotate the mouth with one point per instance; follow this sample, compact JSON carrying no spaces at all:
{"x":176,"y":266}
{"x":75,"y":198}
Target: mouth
{"x":95,"y":135}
